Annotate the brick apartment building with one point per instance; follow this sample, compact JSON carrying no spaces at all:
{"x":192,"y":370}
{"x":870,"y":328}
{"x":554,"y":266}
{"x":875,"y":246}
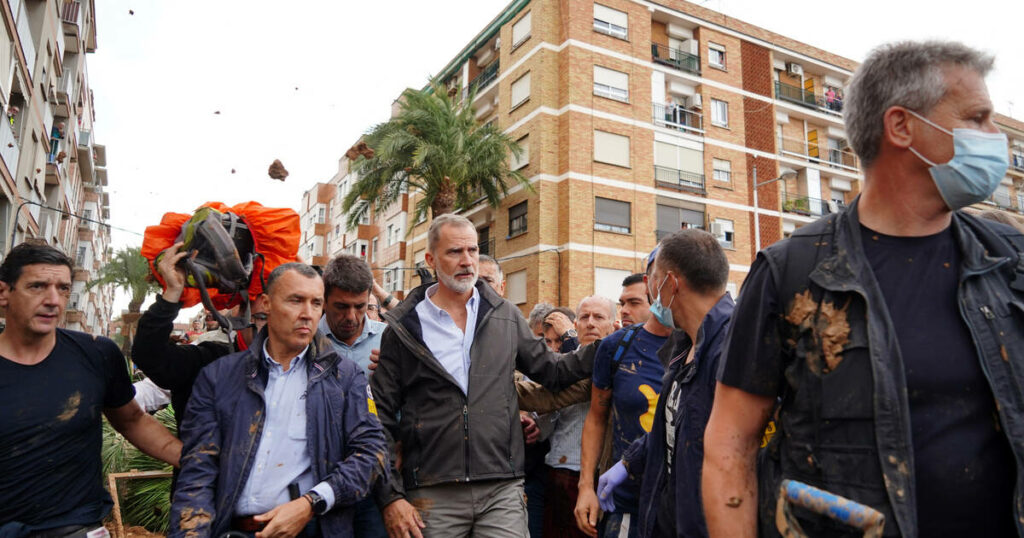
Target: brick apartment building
{"x":637,"y":119}
{"x":52,"y":172}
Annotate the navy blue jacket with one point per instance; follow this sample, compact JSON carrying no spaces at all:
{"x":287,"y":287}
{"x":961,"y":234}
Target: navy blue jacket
{"x":224,"y":421}
{"x":645,"y":458}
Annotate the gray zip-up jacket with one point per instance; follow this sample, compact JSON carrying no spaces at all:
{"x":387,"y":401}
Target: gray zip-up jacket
{"x":447,"y":436}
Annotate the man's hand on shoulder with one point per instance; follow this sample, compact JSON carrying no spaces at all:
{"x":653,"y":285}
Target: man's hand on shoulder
{"x":286,"y":520}
{"x":403,"y":520}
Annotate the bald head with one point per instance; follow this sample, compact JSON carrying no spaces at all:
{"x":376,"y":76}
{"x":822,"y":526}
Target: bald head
{"x":595,"y":318}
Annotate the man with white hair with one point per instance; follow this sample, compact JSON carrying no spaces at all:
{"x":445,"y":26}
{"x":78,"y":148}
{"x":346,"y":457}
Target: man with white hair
{"x":444,"y":390}
{"x":887,"y":338}
{"x":595,"y":319}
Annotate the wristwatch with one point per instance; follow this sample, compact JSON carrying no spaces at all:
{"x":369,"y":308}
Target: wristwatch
{"x":318,"y":503}
{"x":571,"y":333}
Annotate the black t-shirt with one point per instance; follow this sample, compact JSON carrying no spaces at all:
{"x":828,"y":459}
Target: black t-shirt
{"x":51,"y":433}
{"x":963,"y":464}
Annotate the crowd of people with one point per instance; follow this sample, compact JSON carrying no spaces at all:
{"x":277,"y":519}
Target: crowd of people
{"x":876,"y":355}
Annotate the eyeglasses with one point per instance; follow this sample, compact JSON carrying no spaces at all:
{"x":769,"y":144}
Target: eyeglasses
{"x":258,"y":317}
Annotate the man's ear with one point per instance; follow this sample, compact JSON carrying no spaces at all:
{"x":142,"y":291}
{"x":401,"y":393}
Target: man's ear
{"x":896,"y":127}
{"x":428,"y":257}
{"x":5,"y":290}
{"x":264,"y":302}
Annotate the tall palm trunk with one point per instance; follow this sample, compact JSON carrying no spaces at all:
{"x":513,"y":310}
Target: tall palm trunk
{"x":444,"y":202}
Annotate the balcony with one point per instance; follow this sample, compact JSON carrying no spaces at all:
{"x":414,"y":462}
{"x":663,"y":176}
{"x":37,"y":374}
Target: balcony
{"x":675,"y":58}
{"x":679,"y":179}
{"x":808,"y":206}
{"x":65,"y":92}
{"x":484,"y":79}
{"x":794,"y":94}
{"x":677,"y":117}
{"x":71,"y":17}
{"x":843,"y":159}
{"x":1001,"y":200}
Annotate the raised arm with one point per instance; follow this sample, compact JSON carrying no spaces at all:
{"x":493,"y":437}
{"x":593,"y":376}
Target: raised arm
{"x":729,"y":479}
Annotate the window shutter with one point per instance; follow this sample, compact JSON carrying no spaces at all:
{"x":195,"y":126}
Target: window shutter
{"x":613,"y":16}
{"x":612,"y":78}
{"x":521,"y":89}
{"x":521,"y":29}
{"x":611,"y":148}
{"x":612,"y":212}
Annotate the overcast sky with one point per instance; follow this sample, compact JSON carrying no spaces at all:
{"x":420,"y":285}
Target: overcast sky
{"x":300,"y":81}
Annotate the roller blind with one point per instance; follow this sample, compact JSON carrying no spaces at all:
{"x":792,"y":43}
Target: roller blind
{"x":614,"y":16}
{"x":521,"y":29}
{"x":521,"y":89}
{"x":609,"y":77}
{"x":611,"y":148}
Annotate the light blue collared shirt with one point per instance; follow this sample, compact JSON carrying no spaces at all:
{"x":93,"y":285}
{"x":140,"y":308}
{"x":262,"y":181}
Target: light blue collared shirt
{"x":283,"y":456}
{"x":359,"y":351}
{"x":449,"y":344}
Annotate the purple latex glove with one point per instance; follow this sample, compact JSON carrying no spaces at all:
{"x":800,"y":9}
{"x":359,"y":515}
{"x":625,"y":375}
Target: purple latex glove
{"x":606,"y":486}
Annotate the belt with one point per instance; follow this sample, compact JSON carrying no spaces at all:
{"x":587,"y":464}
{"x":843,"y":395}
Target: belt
{"x":247,"y":524}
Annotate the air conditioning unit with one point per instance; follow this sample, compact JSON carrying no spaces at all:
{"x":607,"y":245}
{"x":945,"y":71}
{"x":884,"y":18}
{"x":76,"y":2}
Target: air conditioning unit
{"x":497,"y":43}
{"x":717,"y":229}
{"x":794,"y":69}
{"x":696,"y":101}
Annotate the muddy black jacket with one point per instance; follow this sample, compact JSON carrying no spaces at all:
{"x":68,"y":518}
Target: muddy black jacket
{"x":224,"y":423}
{"x":171,"y":366}
{"x":448,"y":436}
{"x":848,"y":430}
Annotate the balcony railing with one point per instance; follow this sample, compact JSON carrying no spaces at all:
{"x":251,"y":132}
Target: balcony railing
{"x":818,"y":153}
{"x":486,"y":247}
{"x":808,"y":206}
{"x":677,"y":117}
{"x":484,"y":79}
{"x":795,"y":94}
{"x":1002,"y":200}
{"x":683,"y":61}
{"x":680,"y":178}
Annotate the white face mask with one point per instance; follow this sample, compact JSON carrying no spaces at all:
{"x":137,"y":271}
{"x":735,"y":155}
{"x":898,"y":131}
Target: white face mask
{"x":979,"y":163}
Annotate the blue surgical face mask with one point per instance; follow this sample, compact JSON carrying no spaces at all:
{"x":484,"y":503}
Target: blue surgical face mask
{"x":662,"y":312}
{"x":979,"y":163}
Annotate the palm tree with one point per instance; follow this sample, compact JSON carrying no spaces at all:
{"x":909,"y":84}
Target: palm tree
{"x":433,"y":144}
{"x":128,"y":271}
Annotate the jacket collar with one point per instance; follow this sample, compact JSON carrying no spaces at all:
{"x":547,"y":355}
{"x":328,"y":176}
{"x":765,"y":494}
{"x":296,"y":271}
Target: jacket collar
{"x":320,"y":355}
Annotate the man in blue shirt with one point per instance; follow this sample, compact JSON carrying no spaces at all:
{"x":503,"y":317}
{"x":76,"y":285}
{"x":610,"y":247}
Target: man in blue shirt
{"x":347,"y":285}
{"x":627,"y":381}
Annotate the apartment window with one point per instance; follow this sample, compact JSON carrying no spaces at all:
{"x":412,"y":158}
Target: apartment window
{"x":611,"y":215}
{"x":521,"y":90}
{"x":722,"y":229}
{"x":716,"y":55}
{"x":611,"y":21}
{"x":373,"y":251}
{"x":521,"y":30}
{"x":611,"y":148}
{"x":524,"y":157}
{"x":719,"y":113}
{"x":517,"y":219}
{"x":676,"y":164}
{"x":515,"y":287}
{"x":321,"y":215}
{"x":722,"y":170}
{"x":1020,"y":200}
{"x":608,"y":281}
{"x":80,"y":258}
{"x":671,"y":219}
{"x":611,"y":84}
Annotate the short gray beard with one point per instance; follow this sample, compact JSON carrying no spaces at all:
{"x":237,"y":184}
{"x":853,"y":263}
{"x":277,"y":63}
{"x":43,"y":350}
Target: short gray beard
{"x":454,"y":285}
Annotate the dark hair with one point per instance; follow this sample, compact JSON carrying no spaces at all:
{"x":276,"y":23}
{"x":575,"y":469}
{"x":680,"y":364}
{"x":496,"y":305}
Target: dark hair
{"x":300,"y":268}
{"x":348,"y":273}
{"x":635,"y":278}
{"x":30,"y":254}
{"x":697,"y":257}
{"x":567,"y":311}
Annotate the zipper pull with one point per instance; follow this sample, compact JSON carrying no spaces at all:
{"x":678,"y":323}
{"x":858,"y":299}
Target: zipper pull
{"x":987,"y":312}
